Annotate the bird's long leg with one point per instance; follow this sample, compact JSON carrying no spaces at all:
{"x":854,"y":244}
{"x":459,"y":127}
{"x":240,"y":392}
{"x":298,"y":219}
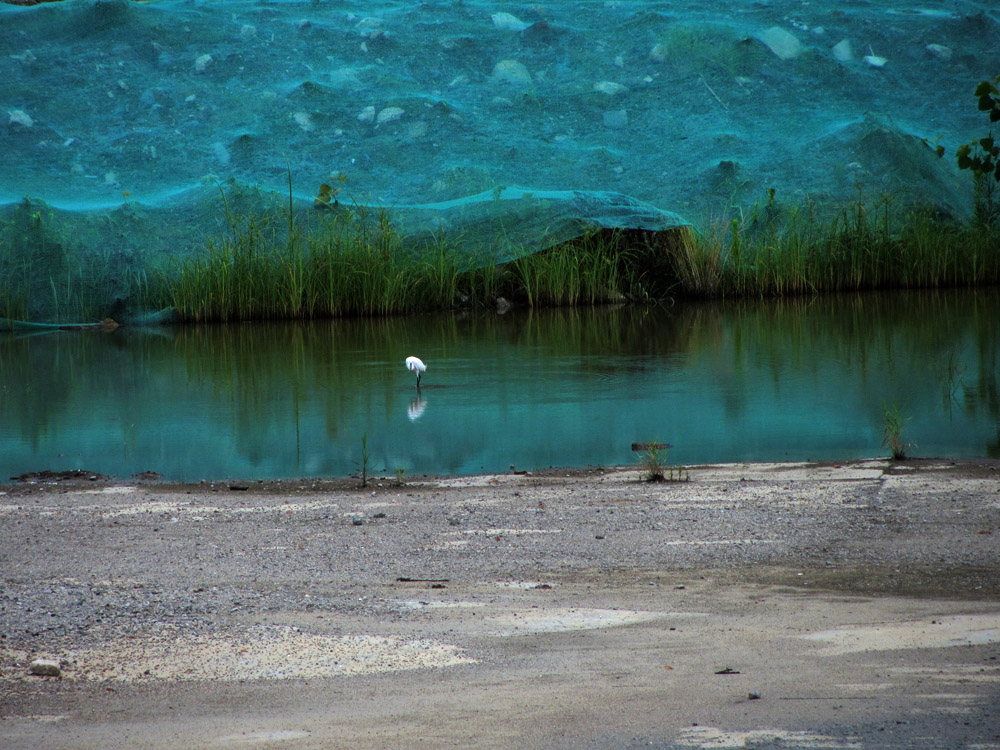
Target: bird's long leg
{"x":418,"y":379}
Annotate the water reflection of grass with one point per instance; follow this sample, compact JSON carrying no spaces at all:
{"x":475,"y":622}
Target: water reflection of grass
{"x":256,"y":389}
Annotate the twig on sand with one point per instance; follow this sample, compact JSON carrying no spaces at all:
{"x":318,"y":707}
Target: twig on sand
{"x":712,"y":92}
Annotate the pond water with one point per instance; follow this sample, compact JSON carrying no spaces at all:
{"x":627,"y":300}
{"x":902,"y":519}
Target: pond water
{"x":761,"y":381}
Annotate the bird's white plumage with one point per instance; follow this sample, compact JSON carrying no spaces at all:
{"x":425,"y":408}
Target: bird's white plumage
{"x":413,"y":364}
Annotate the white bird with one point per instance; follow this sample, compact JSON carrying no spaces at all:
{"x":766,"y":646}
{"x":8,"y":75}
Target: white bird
{"x":413,"y":364}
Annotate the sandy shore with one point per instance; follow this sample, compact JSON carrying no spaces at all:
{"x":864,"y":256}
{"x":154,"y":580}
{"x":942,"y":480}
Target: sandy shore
{"x":845,"y":605}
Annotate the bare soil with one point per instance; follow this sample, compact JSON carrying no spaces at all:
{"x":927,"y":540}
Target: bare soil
{"x":849,"y":605}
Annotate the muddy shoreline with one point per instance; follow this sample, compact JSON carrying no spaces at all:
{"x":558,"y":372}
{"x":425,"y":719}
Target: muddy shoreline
{"x":835,"y":605}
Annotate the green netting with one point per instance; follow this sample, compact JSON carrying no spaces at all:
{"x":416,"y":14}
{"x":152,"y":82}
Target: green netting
{"x":123,"y":118}
{"x":77,"y":265}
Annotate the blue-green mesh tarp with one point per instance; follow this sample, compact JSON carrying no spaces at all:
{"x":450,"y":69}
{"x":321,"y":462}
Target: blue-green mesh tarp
{"x":119,"y":120}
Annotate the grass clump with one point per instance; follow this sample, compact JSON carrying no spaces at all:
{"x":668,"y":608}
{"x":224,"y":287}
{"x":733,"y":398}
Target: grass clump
{"x":357,"y":264}
{"x":892,"y":432}
{"x":777,"y":252}
{"x":653,"y":459}
{"x":653,"y":463}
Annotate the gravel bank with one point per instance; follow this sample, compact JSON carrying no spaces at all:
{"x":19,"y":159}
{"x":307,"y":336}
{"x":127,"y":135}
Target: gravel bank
{"x":603,"y":606}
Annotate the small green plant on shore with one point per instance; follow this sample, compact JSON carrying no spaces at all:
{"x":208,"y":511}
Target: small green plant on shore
{"x":678,"y":474}
{"x":363,"y":463}
{"x":653,"y":461}
{"x":982,"y":158}
{"x":892,"y":431}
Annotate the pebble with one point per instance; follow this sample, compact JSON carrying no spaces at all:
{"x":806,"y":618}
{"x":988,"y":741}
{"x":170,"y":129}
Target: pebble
{"x":616,"y":119}
{"x":511,"y":71}
{"x":876,"y":61}
{"x":782,"y":43}
{"x":659,"y":53}
{"x":509,"y":22}
{"x":304,"y":121}
{"x":842,"y":51}
{"x":939,"y":51}
{"x":417,"y":130}
{"x":369,"y":25}
{"x":610,"y":88}
{"x":202,"y":62}
{"x":20,"y":117}
{"x":45,"y":668}
{"x":389,"y":114}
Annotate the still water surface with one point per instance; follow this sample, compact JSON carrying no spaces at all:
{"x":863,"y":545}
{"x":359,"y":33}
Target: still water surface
{"x":802,"y":379}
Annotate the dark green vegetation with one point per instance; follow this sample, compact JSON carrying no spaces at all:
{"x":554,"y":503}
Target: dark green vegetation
{"x":45,"y":277}
{"x":779,"y":252}
{"x":354,"y":261}
{"x":982,"y":157}
{"x":360,"y":266}
{"x":357,"y":264}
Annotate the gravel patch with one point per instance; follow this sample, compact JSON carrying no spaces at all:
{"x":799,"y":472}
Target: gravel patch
{"x":836,"y":599}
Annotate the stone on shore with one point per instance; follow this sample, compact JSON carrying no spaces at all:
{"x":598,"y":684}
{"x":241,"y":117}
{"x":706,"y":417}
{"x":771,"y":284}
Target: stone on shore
{"x":45,"y":668}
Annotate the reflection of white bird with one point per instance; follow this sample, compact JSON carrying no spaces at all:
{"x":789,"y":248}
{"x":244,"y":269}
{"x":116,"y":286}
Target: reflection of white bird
{"x":413,"y":364}
{"x":416,"y":408}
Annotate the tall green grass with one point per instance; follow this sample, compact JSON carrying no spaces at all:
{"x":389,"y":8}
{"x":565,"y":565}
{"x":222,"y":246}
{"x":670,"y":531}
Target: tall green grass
{"x":357,"y":264}
{"x":589,"y":271}
{"x":354,"y":262}
{"x":861,"y":247}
